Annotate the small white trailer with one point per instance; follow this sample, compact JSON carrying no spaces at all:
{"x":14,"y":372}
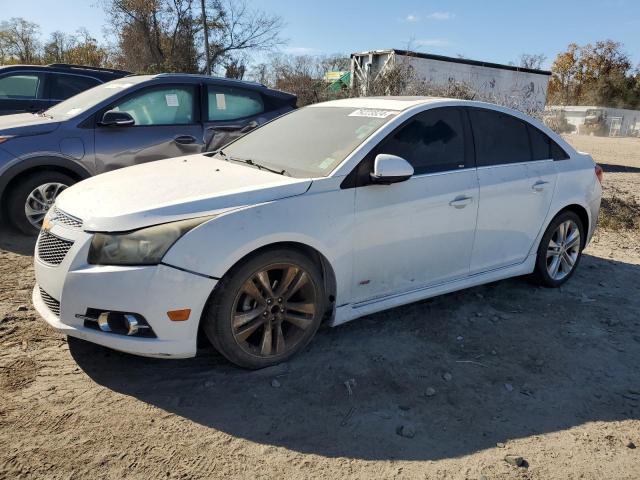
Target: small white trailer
{"x":518,"y":87}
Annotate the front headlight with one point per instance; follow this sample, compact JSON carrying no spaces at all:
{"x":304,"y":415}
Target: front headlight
{"x":146,"y":246}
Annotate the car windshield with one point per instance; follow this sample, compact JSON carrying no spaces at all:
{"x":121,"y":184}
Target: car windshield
{"x":310,"y":142}
{"x":87,"y":99}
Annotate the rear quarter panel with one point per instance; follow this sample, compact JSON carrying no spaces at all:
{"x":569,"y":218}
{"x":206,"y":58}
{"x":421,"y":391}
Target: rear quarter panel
{"x":576,"y":185}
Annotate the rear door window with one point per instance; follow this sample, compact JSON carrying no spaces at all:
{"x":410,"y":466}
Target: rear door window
{"x":557,"y":152}
{"x":543,"y":147}
{"x":64,"y":86}
{"x":540,"y":144}
{"x":433,"y":141}
{"x":499,"y":138}
{"x":161,"y":106}
{"x":231,"y":103}
{"x":21,"y":86}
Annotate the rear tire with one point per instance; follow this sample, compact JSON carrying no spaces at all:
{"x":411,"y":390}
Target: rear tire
{"x":35,"y":193}
{"x":266,"y":309}
{"x":560,"y":250}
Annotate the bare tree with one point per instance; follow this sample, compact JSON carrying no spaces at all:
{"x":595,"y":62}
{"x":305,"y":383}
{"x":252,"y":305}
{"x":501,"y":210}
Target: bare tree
{"x":154,"y":35}
{"x":19,"y":40}
{"x":532,"y":60}
{"x":205,"y":29}
{"x":57,"y":47}
{"x":235,"y":68}
{"x":234,"y":28}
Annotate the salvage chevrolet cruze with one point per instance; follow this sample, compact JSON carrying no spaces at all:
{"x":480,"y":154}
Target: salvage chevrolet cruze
{"x":329,"y":213}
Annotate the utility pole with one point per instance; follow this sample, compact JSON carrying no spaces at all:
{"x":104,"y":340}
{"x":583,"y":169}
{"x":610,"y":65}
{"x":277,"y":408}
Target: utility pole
{"x":206,"y":37}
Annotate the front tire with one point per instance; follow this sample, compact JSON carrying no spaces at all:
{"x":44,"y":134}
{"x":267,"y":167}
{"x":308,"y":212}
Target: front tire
{"x":560,"y":250}
{"x":266,"y":309}
{"x":29,"y":200}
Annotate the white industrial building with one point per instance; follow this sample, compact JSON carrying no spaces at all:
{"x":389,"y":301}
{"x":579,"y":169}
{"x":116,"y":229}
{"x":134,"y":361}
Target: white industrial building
{"x":617,"y":122}
{"x":522,"y":88}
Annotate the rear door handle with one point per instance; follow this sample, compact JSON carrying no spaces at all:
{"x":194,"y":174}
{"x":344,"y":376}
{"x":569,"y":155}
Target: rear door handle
{"x":185,"y":139}
{"x":461,"y":201}
{"x":539,"y":185}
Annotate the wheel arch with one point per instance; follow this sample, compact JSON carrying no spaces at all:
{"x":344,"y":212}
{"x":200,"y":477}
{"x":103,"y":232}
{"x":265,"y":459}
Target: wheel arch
{"x":14,"y":174}
{"x":583,"y":214}
{"x":318,"y":257}
{"x":326,"y":269}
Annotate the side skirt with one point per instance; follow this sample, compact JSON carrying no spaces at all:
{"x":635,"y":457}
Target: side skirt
{"x":350,"y":312}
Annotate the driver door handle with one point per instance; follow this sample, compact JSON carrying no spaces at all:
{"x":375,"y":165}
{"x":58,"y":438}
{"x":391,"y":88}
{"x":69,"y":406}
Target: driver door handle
{"x":539,"y":185}
{"x":461,"y":201}
{"x":185,"y":139}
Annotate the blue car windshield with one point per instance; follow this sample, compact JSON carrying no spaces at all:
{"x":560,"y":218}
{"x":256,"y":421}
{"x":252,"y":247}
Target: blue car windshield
{"x":85,"y":100}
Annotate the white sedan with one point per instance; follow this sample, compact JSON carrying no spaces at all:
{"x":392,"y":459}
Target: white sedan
{"x":329,"y":213}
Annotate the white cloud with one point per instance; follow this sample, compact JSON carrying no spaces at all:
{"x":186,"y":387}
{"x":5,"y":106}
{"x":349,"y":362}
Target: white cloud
{"x":440,"y":16}
{"x":432,"y":42}
{"x":412,"y":18}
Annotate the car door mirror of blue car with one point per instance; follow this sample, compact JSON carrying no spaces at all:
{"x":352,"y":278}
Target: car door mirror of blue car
{"x":113,"y":118}
{"x":389,"y":169}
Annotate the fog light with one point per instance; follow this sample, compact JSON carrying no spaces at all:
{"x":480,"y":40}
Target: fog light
{"x":121,"y":323}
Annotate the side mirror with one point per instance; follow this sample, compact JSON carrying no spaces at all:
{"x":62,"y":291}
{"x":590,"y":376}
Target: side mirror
{"x":389,"y":169}
{"x":113,"y":118}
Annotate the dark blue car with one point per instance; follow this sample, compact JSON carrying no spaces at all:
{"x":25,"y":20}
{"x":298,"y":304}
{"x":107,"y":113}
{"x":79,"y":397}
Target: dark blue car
{"x":31,"y":88}
{"x":124,"y":122}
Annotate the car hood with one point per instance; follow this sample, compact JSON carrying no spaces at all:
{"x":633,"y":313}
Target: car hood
{"x":24,"y":124}
{"x":169,"y":190}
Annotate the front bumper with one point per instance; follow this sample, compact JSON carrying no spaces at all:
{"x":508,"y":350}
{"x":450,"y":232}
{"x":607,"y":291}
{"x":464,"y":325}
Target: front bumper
{"x":150,"y":291}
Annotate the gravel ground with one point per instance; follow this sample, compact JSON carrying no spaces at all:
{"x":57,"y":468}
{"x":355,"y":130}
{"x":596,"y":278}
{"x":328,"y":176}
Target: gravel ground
{"x":445,"y":388}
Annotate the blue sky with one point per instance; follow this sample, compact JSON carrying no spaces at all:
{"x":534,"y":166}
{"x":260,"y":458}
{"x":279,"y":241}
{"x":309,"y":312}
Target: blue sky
{"x":497,"y":31}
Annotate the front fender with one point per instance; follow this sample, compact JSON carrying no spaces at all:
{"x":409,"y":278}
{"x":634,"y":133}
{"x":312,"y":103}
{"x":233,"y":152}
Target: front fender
{"x":15,"y":167}
{"x":321,"y":221}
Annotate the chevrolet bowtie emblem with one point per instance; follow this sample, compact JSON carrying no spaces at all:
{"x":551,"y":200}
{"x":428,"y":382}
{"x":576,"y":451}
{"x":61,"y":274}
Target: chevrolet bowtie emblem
{"x":46,"y":225}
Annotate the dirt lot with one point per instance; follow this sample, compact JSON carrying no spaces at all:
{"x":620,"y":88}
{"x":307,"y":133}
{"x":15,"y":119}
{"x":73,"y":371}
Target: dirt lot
{"x":549,"y":375}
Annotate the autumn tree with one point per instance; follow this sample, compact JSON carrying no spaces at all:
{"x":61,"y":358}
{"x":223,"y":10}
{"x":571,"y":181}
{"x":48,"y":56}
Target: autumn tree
{"x":594,"y":74}
{"x":154,"y":35}
{"x":79,"y":49}
{"x":168,"y":35}
{"x":19,"y":41}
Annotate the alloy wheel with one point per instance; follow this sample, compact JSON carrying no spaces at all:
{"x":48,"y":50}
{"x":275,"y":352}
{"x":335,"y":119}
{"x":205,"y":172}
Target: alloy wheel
{"x":40,"y":200}
{"x":273,"y":310}
{"x":563,"y":250}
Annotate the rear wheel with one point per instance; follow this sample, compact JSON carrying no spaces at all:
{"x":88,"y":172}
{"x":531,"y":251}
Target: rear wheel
{"x":266,"y":309}
{"x":560,"y":250}
{"x":29,"y":201}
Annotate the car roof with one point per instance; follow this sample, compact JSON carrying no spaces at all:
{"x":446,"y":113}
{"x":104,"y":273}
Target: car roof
{"x":197,"y":78}
{"x":386,"y":103}
{"x":399,"y":103}
{"x":200,"y":77}
{"x":97,"y":72}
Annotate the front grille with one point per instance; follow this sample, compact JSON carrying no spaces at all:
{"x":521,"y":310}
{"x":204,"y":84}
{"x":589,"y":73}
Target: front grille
{"x":52,"y":249}
{"x":65,"y":219}
{"x":50,"y":302}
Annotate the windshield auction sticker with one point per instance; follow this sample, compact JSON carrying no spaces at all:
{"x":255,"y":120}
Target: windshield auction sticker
{"x":371,"y":112}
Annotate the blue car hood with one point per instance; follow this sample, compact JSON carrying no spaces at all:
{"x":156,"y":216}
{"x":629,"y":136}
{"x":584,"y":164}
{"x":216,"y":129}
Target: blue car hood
{"x":25,"y":124}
